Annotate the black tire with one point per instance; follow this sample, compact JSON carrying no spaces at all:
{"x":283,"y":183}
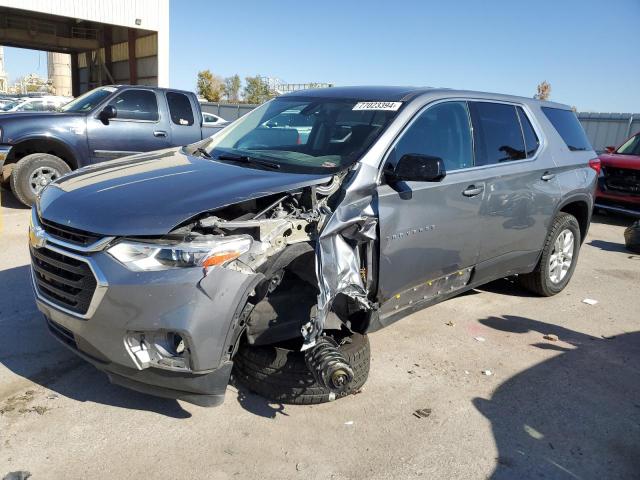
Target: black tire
{"x":26,"y":166}
{"x":281,"y":374}
{"x":539,"y":281}
{"x":632,"y":237}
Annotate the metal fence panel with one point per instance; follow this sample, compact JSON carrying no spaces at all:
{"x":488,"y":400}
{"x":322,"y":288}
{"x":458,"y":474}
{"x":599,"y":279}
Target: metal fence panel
{"x":228,"y":111}
{"x":604,"y":129}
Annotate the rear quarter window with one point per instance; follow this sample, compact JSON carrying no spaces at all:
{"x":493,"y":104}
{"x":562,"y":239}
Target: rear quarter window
{"x":180,"y":109}
{"x":567,"y":125}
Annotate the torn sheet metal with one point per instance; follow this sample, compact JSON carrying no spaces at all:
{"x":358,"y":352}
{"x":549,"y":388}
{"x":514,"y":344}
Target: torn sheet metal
{"x":337,"y":257}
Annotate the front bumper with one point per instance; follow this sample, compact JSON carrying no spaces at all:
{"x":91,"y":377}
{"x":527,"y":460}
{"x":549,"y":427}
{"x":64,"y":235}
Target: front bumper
{"x":204,"y":310}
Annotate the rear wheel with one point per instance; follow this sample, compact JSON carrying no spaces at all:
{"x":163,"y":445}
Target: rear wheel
{"x":558,"y":260}
{"x":280,"y":373}
{"x":34,"y":172}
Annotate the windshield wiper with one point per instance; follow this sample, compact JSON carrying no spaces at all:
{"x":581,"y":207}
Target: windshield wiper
{"x":248,"y":159}
{"x":202,"y":152}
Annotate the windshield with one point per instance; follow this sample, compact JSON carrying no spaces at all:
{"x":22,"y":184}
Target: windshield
{"x":631,"y":146}
{"x":8,"y":106}
{"x":88,"y":101}
{"x":307,"y":135}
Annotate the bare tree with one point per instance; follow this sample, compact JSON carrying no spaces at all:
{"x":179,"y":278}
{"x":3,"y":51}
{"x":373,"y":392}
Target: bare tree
{"x":544,"y":91}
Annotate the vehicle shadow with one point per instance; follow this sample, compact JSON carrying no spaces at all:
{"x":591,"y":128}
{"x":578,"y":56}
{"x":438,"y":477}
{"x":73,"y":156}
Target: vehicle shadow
{"x":505,"y":286}
{"x":576,"y":415}
{"x":613,"y":219}
{"x":7,"y":200}
{"x":28,"y":350}
{"x":257,"y":404}
{"x":609,"y":246}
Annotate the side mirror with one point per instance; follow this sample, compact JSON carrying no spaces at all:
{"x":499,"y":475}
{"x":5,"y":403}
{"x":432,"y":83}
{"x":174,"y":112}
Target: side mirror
{"x":417,"y":168}
{"x":108,"y":113}
{"x":610,"y":149}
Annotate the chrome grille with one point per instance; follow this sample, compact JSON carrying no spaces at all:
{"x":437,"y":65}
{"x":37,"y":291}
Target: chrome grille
{"x":624,"y":180}
{"x":68,"y":234}
{"x":63,"y":280}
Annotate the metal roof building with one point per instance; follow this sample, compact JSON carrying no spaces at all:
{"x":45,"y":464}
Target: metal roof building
{"x":110,"y":41}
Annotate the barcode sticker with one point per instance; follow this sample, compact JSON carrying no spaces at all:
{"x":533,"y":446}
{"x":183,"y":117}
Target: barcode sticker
{"x":392,"y":106}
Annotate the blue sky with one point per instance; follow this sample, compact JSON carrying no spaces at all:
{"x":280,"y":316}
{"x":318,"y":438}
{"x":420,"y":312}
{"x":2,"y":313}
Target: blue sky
{"x":586,"y":49}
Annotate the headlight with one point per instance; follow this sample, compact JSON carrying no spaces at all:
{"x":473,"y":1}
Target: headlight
{"x":215,"y":251}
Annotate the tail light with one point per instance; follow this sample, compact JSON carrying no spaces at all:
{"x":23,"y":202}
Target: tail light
{"x":595,"y":164}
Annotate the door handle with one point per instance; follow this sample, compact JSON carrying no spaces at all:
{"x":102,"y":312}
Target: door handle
{"x":547,"y":176}
{"x":159,"y":133}
{"x":472,"y":191}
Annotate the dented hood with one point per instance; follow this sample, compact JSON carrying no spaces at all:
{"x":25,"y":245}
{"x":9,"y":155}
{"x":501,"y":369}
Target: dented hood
{"x":149,"y":194}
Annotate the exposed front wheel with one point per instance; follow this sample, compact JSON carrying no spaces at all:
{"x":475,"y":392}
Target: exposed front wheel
{"x":34,"y":172}
{"x":558,"y":260}
{"x":280,"y":372}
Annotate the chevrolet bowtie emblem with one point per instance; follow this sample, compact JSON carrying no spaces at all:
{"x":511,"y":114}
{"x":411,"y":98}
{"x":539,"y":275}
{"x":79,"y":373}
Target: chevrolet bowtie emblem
{"x":37,"y":237}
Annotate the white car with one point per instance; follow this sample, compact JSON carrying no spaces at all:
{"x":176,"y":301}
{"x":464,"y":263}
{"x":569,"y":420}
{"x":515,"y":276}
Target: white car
{"x":35,"y":104}
{"x":211,"y":120}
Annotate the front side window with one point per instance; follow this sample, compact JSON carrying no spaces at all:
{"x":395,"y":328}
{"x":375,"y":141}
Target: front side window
{"x":136,"y":105}
{"x":440,"y":131}
{"x":180,"y":108}
{"x":497,"y":133}
{"x":208,"y":118}
{"x":630,"y":147}
{"x":303,"y":134}
{"x":88,"y":101}
{"x":35,"y":106}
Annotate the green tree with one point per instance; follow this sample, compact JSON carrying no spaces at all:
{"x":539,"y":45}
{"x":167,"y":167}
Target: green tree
{"x":256,"y":90}
{"x":232,"y":87}
{"x":210,"y":86}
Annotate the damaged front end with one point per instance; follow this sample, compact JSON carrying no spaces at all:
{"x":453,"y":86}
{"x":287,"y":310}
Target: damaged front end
{"x":314,"y":268}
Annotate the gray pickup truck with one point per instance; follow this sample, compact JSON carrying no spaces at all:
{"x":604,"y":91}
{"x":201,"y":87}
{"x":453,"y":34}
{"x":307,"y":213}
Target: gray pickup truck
{"x":103,"y":124}
{"x":273,"y":252}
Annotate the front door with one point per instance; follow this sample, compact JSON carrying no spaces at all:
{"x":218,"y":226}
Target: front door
{"x":429,"y":231}
{"x":136,"y":128}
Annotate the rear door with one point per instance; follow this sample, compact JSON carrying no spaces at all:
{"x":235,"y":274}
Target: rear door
{"x":429,"y":231}
{"x":138,"y":127}
{"x":185,"y":126}
{"x":522,"y":190}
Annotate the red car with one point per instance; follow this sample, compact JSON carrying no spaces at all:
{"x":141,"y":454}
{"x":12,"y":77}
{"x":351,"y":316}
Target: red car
{"x":619,"y":180}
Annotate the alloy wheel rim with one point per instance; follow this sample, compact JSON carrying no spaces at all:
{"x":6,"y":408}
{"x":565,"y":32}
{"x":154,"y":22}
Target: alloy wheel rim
{"x":41,"y":177}
{"x":561,"y":256}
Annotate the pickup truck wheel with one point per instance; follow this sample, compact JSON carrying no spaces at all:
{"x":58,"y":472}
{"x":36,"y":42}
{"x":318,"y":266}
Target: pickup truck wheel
{"x":558,"y":260}
{"x":280,"y":373}
{"x":33,"y":172}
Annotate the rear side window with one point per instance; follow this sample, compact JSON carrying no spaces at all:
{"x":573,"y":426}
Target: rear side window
{"x":567,"y":125}
{"x":136,"y":105}
{"x":180,"y":108}
{"x":531,"y":141}
{"x":497,"y":133}
{"x":440,"y":131}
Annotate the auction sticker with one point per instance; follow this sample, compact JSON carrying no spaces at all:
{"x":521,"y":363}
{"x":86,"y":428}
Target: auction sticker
{"x":392,"y":106}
